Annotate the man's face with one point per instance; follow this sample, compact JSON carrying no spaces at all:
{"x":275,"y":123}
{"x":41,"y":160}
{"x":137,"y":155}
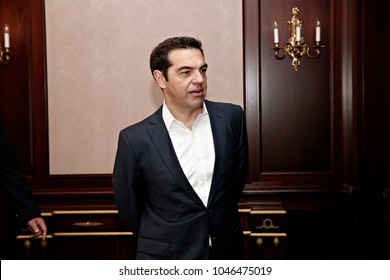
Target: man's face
{"x":187,"y":81}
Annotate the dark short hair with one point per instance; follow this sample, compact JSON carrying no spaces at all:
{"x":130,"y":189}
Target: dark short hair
{"x":159,"y":56}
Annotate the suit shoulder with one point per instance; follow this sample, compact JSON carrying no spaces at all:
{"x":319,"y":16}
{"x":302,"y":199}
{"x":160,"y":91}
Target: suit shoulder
{"x":224,"y":106}
{"x":143,"y":125}
{"x":135,"y":127}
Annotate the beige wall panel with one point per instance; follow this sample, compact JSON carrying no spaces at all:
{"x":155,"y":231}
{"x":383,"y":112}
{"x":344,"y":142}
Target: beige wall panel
{"x":98,"y":69}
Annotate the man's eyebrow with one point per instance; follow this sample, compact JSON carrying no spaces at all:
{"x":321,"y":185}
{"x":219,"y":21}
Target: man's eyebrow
{"x":184,"y":68}
{"x":189,"y":67}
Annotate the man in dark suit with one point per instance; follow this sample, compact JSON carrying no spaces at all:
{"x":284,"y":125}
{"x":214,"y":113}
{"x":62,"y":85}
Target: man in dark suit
{"x":14,"y":185}
{"x":179,"y":174}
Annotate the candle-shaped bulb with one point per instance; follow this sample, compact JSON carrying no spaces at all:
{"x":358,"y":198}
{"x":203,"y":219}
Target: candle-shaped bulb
{"x":276,"y":33}
{"x":318,"y":31}
{"x":298,"y":31}
{"x":6,"y":37}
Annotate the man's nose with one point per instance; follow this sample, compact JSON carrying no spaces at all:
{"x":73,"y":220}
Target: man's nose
{"x":198,"y":77}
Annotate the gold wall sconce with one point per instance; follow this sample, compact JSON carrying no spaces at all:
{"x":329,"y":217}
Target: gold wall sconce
{"x":5,"y":53}
{"x":296,"y":46}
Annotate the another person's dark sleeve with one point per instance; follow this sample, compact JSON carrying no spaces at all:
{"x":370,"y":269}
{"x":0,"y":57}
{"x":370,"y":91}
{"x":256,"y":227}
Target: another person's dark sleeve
{"x":13,"y":182}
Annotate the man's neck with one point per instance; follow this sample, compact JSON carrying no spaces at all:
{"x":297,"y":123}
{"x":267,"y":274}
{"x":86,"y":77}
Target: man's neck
{"x":187,"y":117}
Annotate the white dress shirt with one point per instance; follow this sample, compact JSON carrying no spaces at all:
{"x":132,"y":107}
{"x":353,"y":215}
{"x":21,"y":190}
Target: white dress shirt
{"x":194,"y":149}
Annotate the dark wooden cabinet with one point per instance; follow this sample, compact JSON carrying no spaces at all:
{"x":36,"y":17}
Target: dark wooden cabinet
{"x":265,"y":233}
{"x":100,"y":235}
{"x":80,"y":234}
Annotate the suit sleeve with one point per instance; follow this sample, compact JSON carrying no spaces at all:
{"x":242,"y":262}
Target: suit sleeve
{"x":128,"y":184}
{"x":13,"y":182}
{"x":242,"y":164}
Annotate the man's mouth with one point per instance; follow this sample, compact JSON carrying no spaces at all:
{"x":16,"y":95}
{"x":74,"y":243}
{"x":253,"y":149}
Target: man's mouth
{"x":197,"y":92}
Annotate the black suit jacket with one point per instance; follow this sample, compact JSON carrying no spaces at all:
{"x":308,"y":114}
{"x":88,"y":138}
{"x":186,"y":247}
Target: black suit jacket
{"x":156,"y":200}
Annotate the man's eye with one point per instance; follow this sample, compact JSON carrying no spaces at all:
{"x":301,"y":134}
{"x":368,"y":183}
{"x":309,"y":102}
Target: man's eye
{"x":203,"y":70}
{"x":184,"y":73}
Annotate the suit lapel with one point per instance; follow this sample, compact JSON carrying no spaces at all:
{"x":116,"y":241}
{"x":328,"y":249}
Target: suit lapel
{"x":218,"y":127}
{"x":161,"y":140}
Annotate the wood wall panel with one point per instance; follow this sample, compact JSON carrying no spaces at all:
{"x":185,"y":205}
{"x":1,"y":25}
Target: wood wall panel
{"x":15,"y":77}
{"x":295,"y":106}
{"x":294,"y":134}
{"x":376,"y":96}
{"x":23,"y":105}
{"x":349,"y":177}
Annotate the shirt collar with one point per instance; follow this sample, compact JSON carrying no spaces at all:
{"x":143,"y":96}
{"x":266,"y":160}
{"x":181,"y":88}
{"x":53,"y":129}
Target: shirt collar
{"x":169,"y":118}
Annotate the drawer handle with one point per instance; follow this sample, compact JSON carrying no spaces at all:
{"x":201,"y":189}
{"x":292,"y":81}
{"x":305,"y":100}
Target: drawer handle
{"x":88,"y":224}
{"x":267,"y":224}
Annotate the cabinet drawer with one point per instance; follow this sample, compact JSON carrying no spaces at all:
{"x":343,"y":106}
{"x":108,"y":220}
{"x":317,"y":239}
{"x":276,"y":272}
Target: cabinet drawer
{"x":86,"y":221}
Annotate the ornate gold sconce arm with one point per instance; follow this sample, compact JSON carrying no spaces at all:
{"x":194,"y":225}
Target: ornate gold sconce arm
{"x":5,"y":55}
{"x":276,"y":49}
{"x":317,"y":48}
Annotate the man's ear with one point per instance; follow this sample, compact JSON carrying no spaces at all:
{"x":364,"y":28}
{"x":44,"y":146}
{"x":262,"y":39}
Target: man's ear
{"x":160,"y":79}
